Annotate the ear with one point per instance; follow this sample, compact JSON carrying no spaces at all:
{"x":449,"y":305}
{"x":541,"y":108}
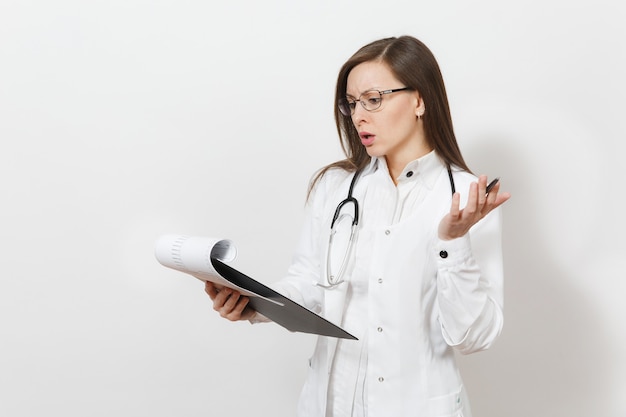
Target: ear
{"x":420,"y":107}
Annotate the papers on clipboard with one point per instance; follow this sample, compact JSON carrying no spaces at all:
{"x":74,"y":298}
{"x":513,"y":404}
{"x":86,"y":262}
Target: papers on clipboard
{"x":204,"y":258}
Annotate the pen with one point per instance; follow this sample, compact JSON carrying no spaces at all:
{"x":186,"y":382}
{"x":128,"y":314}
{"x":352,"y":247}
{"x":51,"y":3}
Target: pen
{"x":491,"y":185}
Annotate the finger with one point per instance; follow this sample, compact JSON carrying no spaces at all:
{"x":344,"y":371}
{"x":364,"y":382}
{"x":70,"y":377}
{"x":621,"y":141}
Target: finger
{"x":498,"y":200}
{"x":221,"y":298}
{"x":501,"y":198}
{"x":231,"y":302}
{"x":455,"y":210}
{"x":482,"y":190}
{"x":470,"y":208}
{"x":238,"y":311}
{"x":210,"y":289}
{"x":241,"y":304}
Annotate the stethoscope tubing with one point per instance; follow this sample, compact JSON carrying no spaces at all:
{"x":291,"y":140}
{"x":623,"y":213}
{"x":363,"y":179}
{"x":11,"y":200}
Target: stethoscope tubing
{"x":332,"y":280}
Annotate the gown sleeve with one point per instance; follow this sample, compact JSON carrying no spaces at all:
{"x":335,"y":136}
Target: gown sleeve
{"x":470,"y":286}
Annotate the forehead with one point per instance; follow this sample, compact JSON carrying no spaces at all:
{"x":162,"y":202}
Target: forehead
{"x":370,"y":75}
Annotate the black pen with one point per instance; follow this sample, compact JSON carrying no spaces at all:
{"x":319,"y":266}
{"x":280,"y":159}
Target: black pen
{"x":491,"y":185}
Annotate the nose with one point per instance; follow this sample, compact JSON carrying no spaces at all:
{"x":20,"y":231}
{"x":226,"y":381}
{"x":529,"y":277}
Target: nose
{"x":359,"y":113}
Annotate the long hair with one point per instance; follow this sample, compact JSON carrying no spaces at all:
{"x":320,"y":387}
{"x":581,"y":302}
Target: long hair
{"x":413,"y":64}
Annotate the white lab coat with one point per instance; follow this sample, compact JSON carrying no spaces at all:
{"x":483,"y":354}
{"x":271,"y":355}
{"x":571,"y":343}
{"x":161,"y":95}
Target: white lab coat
{"x":420,"y":305}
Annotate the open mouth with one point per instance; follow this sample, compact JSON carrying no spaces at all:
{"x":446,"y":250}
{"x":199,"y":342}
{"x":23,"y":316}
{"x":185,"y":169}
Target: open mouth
{"x":366,"y":138}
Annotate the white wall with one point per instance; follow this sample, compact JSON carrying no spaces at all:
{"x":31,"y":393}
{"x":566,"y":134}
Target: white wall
{"x":123,"y":120}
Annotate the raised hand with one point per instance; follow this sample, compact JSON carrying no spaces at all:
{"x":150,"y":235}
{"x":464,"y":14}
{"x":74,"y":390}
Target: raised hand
{"x":479,"y":203}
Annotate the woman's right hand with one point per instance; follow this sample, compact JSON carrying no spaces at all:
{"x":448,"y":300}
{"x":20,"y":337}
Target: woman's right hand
{"x":229,"y":303}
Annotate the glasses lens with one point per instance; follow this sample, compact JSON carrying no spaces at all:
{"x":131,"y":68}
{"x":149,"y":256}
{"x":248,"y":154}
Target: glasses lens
{"x":345,"y":107}
{"x":371,"y":100}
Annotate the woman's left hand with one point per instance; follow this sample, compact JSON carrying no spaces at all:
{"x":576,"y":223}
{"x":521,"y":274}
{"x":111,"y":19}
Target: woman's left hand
{"x":459,"y":221}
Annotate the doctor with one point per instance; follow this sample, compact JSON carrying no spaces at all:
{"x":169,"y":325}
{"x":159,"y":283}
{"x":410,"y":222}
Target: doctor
{"x":423,"y":275}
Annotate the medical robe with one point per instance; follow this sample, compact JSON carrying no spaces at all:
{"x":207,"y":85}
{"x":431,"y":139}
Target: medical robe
{"x":410,"y":298}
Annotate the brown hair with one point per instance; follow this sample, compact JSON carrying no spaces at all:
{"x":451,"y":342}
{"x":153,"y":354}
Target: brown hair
{"x":413,"y":64}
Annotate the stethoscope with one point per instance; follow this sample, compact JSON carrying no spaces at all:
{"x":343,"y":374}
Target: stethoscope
{"x":335,"y":280}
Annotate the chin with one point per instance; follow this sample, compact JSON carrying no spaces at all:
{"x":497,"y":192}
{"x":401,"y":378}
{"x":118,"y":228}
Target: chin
{"x":373,"y":151}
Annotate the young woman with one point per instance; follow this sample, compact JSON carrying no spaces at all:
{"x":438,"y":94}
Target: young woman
{"x":419,"y":274}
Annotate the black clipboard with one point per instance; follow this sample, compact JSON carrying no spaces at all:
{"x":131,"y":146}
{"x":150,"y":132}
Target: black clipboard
{"x":278,"y":308}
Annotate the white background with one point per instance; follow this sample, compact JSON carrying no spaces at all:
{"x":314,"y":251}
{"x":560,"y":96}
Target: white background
{"x":123,"y":120}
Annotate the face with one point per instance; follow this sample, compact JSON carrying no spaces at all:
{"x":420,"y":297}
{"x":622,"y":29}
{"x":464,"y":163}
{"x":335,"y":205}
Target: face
{"x":393,"y":130}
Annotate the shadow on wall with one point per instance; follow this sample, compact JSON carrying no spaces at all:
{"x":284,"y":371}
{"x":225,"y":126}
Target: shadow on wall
{"x":550,"y":360}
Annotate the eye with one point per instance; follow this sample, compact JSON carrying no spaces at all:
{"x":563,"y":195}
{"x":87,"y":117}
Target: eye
{"x":371,"y":100}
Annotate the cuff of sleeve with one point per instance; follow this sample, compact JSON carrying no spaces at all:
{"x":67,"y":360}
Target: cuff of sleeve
{"x":451,"y":252}
{"x":258,"y":318}
{"x":451,"y":341}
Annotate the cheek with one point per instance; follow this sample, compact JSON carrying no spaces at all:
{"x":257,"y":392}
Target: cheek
{"x":401,"y":120}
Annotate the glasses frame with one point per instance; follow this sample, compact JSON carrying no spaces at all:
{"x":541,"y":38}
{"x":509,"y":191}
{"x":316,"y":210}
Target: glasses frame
{"x":344,"y":103}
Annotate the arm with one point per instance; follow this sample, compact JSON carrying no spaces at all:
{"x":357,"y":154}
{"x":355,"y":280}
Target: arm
{"x":469,"y":282}
{"x":304,"y":269}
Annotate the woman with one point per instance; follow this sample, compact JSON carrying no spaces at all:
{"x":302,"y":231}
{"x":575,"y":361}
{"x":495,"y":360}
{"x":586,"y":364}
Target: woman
{"x":424,"y":275}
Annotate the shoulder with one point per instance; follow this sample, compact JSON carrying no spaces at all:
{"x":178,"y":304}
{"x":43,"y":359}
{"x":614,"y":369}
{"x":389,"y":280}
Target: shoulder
{"x":333,"y":181}
{"x":330,"y":180}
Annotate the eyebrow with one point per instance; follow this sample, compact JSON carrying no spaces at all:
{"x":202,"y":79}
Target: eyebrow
{"x":362,"y":92}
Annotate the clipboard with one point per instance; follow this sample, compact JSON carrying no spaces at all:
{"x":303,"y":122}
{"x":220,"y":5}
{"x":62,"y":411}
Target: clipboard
{"x":204,"y":258}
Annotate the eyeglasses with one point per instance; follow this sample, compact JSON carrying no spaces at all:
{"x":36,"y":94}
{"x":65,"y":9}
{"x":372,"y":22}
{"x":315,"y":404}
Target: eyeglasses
{"x":370,"y":100}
